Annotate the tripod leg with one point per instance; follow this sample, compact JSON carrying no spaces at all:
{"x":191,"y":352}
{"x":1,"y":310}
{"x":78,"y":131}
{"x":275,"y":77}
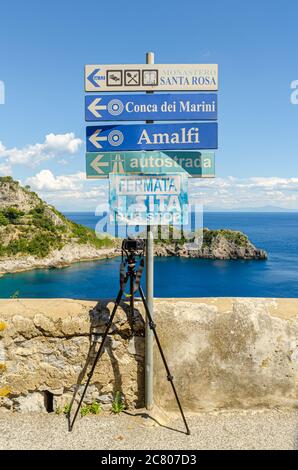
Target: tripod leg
{"x":132,"y":302}
{"x":131,"y":291}
{"x":90,"y":374}
{"x":169,"y":375}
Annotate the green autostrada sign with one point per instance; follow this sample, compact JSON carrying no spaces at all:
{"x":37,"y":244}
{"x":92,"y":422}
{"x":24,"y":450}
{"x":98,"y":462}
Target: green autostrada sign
{"x":194,"y":163}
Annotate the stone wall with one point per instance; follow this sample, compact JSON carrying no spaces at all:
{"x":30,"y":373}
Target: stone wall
{"x":223,"y":353}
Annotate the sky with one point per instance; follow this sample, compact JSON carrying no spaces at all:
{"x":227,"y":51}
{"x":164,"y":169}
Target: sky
{"x":43,"y":50}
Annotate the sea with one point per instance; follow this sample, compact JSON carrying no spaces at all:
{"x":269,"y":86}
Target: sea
{"x":277,"y":233}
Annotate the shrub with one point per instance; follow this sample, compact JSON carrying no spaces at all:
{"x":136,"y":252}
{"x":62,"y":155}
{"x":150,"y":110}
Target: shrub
{"x":87,"y":235}
{"x":7,"y":179}
{"x":3,"y":219}
{"x":12,"y":215}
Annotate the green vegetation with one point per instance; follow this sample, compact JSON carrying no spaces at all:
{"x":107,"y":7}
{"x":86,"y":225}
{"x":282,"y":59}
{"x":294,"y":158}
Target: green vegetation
{"x":118,"y":405}
{"x":177,"y":238}
{"x":58,"y":410}
{"x":93,"y":409}
{"x":41,"y":228}
{"x":3,"y":219}
{"x":85,"y":410}
{"x":40,"y":219}
{"x":65,"y":410}
{"x":232,"y":236}
{"x":86,"y":235}
{"x":10,"y":216}
{"x":7,"y":179}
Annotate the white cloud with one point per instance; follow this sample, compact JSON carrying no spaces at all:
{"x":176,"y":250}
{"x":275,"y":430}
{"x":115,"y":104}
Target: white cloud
{"x":70,"y":192}
{"x":74,"y":192}
{"x":5,"y":169}
{"x":46,"y":181}
{"x":233,"y":192}
{"x":55,"y":145}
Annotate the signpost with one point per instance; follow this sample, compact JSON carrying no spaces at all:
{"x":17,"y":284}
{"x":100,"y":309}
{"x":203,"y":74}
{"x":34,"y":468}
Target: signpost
{"x":139,"y":107}
{"x":151,"y":77}
{"x":173,"y":136}
{"x":192,"y":163}
{"x":148,"y":164}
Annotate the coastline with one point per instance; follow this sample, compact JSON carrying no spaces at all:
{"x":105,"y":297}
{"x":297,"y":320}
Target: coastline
{"x":70,"y":254}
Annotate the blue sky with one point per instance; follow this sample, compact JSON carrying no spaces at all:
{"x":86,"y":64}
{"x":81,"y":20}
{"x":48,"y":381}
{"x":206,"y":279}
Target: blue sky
{"x":43,"y":50}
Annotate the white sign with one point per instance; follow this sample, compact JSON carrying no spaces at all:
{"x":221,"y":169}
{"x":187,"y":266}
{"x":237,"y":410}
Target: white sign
{"x":149,"y":200}
{"x":159,"y":77}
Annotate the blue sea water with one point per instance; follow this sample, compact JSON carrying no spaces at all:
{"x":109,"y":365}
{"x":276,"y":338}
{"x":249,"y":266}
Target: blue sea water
{"x":277,"y":233}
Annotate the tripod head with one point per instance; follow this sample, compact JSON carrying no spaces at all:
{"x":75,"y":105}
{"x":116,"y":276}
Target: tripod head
{"x":133,"y":247}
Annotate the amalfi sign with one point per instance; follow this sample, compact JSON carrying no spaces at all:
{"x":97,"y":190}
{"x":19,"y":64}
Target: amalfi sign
{"x":171,"y":136}
{"x":157,"y":77}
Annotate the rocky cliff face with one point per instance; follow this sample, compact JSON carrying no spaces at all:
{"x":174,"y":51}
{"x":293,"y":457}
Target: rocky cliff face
{"x":34,"y":234}
{"x":213,"y":244}
{"x":14,"y":195}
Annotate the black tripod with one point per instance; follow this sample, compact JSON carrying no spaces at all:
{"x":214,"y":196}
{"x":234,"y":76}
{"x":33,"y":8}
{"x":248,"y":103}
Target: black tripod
{"x":131,"y":249}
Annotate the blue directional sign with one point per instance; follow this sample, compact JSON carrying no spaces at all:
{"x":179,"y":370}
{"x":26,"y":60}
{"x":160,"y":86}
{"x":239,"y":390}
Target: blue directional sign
{"x":140,"y":107}
{"x":172,"y":136}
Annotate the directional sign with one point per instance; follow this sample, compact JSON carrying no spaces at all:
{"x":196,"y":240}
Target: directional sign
{"x":179,"y":77}
{"x":154,"y":200}
{"x":172,"y":136}
{"x":158,"y":107}
{"x":197,"y":164}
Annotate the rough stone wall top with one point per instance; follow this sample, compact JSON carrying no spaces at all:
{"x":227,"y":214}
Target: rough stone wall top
{"x":222,"y":352}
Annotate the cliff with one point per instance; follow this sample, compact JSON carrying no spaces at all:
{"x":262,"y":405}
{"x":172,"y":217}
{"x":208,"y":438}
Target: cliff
{"x":213,"y":244}
{"x":34,"y":234}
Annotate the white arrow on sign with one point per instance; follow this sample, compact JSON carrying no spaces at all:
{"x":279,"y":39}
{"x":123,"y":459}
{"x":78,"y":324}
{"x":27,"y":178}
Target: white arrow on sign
{"x":96,"y":164}
{"x":94,"y":107}
{"x":96,"y":138}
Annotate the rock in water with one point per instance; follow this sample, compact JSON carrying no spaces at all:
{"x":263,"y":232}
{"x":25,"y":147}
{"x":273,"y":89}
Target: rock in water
{"x":212,"y":244}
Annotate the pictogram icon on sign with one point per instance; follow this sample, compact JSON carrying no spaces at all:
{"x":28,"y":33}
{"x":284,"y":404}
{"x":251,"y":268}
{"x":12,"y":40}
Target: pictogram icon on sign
{"x":115,"y":107}
{"x":132,"y":78}
{"x":114,"y":77}
{"x":150,"y":77}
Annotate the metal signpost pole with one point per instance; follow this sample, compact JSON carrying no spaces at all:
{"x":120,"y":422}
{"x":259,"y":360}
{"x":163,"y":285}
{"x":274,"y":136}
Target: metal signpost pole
{"x":149,"y":298}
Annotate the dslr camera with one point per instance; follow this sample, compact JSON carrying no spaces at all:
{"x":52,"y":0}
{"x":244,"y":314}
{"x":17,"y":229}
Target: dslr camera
{"x":131,"y":244}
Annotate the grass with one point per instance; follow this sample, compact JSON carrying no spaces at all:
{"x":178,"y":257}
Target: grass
{"x":93,"y":409}
{"x":118,"y":404}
